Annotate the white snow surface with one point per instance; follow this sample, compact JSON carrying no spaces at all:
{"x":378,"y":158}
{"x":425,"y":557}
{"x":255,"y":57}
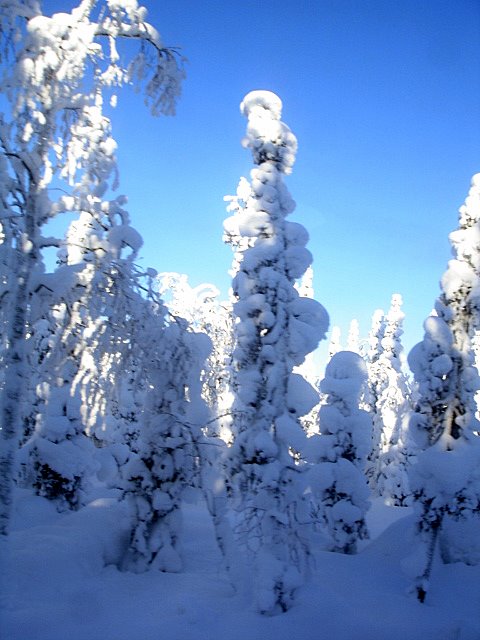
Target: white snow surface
{"x":61,"y":583}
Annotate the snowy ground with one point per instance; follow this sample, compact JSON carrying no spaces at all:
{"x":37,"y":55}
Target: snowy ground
{"x":58,"y":587}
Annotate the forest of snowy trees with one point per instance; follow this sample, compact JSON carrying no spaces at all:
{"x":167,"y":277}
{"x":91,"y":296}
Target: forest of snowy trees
{"x":119,"y":379}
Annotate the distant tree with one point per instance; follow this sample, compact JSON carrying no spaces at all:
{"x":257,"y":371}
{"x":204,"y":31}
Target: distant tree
{"x":390,"y":404}
{"x":335,"y":344}
{"x":375,"y":336}
{"x":353,"y":340}
{"x":394,"y":404}
{"x":58,"y":71}
{"x":338,"y":480}
{"x":274,"y":329}
{"x":445,"y":481}
{"x":373,"y":391}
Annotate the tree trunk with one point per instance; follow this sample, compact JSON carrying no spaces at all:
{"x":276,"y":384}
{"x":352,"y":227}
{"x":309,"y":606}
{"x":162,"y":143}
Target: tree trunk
{"x":15,"y":365}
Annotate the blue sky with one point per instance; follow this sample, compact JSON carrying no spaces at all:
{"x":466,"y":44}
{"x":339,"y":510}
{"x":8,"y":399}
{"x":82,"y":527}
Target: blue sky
{"x":384,"y":98}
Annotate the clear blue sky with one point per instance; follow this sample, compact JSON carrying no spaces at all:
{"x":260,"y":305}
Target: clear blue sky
{"x":384,"y":98}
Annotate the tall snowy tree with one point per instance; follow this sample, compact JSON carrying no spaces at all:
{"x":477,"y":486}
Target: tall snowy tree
{"x":274,"y":330}
{"x":59,"y":70}
{"x":446,"y":478}
{"x":338,"y":481}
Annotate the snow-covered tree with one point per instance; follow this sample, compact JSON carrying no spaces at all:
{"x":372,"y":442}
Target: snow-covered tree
{"x":167,"y":449}
{"x":62,"y":68}
{"x":338,"y":481}
{"x":57,"y":457}
{"x":83,"y":376}
{"x":274,"y":330}
{"x":394,"y":404}
{"x":375,"y":336}
{"x":374,"y":368}
{"x":201,"y":307}
{"x":446,"y":478}
{"x":353,"y":340}
{"x":335,"y":344}
{"x":390,"y":404}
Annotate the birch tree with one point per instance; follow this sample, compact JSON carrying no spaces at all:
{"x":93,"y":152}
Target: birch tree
{"x":58,"y":72}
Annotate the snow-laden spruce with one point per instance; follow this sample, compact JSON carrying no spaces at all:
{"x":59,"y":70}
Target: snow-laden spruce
{"x":390,"y":403}
{"x":61,"y":69}
{"x":338,"y":481}
{"x":353,"y":339}
{"x":446,"y":479}
{"x":274,"y":330}
{"x":372,"y":356}
{"x":335,"y":344}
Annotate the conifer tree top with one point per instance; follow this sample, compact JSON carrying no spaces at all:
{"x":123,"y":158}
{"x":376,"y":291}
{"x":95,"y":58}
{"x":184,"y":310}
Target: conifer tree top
{"x":268,"y":137}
